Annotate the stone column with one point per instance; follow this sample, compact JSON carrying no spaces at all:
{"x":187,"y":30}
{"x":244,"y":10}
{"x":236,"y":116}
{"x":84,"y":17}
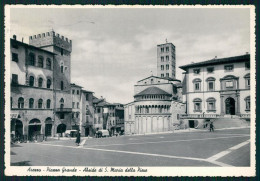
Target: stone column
{"x":222,"y":105}
{"x":238,"y":105}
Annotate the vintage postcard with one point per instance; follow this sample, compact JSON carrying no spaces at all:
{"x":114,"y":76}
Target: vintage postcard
{"x":130,"y":90}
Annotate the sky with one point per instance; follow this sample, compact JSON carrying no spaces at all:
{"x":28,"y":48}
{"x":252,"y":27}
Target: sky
{"x":113,"y":48}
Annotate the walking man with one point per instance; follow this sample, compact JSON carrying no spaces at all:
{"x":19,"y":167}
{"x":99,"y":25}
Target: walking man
{"x":78,"y":138}
{"x":211,"y":127}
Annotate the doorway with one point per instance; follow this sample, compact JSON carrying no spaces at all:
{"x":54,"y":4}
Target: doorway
{"x":191,"y":124}
{"x":48,"y":128}
{"x":230,"y":106}
{"x":87,"y":131}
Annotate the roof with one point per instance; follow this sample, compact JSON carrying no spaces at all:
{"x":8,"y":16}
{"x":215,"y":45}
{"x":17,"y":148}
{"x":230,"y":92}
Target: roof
{"x":152,"y":91}
{"x":83,"y":90}
{"x":165,"y":78}
{"x":31,"y":46}
{"x":240,"y":58}
{"x":75,"y":85}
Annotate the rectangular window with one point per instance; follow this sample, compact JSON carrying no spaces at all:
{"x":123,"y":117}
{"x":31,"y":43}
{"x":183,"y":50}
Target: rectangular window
{"x":62,"y":116}
{"x":73,"y":91}
{"x":162,"y":75}
{"x":77,"y":104}
{"x":61,"y":51}
{"x":162,"y":59}
{"x":247,"y":65}
{"x":73,"y":104}
{"x":167,"y":49}
{"x":247,"y":83}
{"x":167,"y":58}
{"x":247,"y":104}
{"x":162,"y":49}
{"x":197,"y":86}
{"x":167,"y":67}
{"x":86,"y":97}
{"x":78,"y":92}
{"x":14,"y":79}
{"x":197,"y":106}
{"x":228,"y":67}
{"x":196,"y":71}
{"x":211,"y":106}
{"x":15,"y":57}
{"x":162,"y":67}
{"x":211,"y":86}
{"x":167,"y":74}
{"x":229,"y":84}
{"x":210,"y":69}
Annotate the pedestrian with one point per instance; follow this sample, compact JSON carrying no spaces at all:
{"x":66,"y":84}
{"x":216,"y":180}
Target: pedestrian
{"x":211,"y":127}
{"x":78,"y":138}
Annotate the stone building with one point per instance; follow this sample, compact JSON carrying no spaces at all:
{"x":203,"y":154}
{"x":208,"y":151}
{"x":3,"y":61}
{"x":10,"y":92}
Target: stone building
{"x":157,"y":99}
{"x":82,"y":110}
{"x":32,"y":88}
{"x":217,"y":88}
{"x":166,"y":60}
{"x":62,"y":48}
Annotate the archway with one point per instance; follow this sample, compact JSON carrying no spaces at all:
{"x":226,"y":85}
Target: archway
{"x":230,"y":106}
{"x":17,"y":127}
{"x":48,"y":126}
{"x":34,"y":128}
{"x":61,"y":128}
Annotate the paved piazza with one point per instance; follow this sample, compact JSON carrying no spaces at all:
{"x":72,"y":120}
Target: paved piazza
{"x":224,"y":148}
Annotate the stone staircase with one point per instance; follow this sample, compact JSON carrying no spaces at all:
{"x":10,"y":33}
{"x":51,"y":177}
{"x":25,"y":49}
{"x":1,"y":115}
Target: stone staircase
{"x":230,"y":123}
{"x":226,"y":122}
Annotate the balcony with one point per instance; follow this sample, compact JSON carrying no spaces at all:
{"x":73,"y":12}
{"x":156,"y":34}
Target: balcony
{"x":63,"y":110}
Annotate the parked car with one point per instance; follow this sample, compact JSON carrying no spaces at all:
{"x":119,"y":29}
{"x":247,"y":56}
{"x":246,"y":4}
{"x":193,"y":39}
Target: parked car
{"x":103,"y":133}
{"x":71,"y":133}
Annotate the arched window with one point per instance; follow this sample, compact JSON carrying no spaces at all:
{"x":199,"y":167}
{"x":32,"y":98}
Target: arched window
{"x":40,"y":61}
{"x":40,"y":104}
{"x":20,"y":103}
{"x":48,"y":83}
{"x":61,"y":68}
{"x":196,"y":83}
{"x":40,"y":80}
{"x":31,"y":81}
{"x":211,"y":102}
{"x":247,"y":99}
{"x":211,"y":83}
{"x":48,"y":104}
{"x":32,"y":59}
{"x":61,"y":103}
{"x":61,"y":85}
{"x":197,"y":105}
{"x":48,"y":63}
{"x":31,"y":102}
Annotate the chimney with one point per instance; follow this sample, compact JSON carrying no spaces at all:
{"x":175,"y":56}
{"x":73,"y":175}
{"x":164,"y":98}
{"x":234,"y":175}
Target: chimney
{"x":22,"y":40}
{"x":216,"y":57}
{"x":246,"y":53}
{"x":14,"y":37}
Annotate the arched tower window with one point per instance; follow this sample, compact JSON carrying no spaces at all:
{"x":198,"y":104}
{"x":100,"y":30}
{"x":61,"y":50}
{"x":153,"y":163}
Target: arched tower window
{"x":31,"y":102}
{"x":40,"y":61}
{"x":21,"y":103}
{"x":61,"y":85}
{"x":62,"y":68}
{"x":48,"y":104}
{"x":48,"y":83}
{"x":48,"y":63}
{"x":40,"y":104}
{"x":40,"y":80}
{"x":61,"y":103}
{"x":31,"y":81}
{"x":32,"y":59}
